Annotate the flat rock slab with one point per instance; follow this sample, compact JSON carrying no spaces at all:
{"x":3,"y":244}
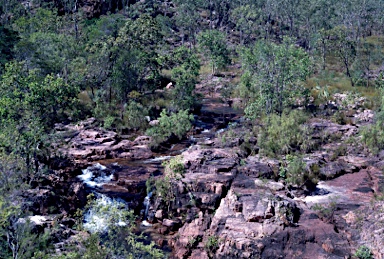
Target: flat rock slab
{"x":356,"y":188}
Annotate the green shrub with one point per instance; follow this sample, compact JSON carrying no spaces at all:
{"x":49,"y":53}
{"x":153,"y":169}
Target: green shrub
{"x":134,"y":116}
{"x":109,"y":122}
{"x":166,"y":186}
{"x":341,"y":150}
{"x":176,"y":124}
{"x":341,"y":118}
{"x":211,"y":245}
{"x":326,"y":211}
{"x":174,"y":167}
{"x":363,"y":252}
{"x":285,"y":134}
{"x":212,"y":43}
{"x":193,"y":242}
{"x":294,"y":171}
{"x":373,"y":136}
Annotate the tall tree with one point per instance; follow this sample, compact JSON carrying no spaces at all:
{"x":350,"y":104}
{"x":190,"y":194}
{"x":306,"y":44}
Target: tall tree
{"x":247,"y":19}
{"x":29,"y":107}
{"x":213,"y":43}
{"x":187,"y":19}
{"x":271,"y":81}
{"x":344,"y":45}
{"x":185,"y":75}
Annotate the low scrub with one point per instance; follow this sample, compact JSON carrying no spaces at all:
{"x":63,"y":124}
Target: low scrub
{"x":295,"y":172}
{"x":174,"y":125}
{"x":285,"y":134}
{"x":373,"y":136}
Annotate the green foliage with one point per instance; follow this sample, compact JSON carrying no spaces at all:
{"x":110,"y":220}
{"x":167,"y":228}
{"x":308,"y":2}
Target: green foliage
{"x":344,"y":46}
{"x":213,"y":44}
{"x":109,"y":122}
{"x":176,"y":124}
{"x":166,"y":186}
{"x":29,"y":107}
{"x":134,"y":116}
{"x":42,"y":20}
{"x":8,"y":38}
{"x":185,"y":75}
{"x":174,"y":167}
{"x":142,"y":35}
{"x":368,"y":56}
{"x":124,"y":57}
{"x":164,"y":191}
{"x":341,"y":150}
{"x":24,"y":93}
{"x":211,"y":245}
{"x":116,"y":238}
{"x":12,"y":171}
{"x":294,"y":171}
{"x":187,"y":18}
{"x":285,"y":134}
{"x":272,"y":78}
{"x":247,"y":19}
{"x":363,"y":252}
{"x":326,"y":211}
{"x":373,"y":134}
{"x":48,"y":51}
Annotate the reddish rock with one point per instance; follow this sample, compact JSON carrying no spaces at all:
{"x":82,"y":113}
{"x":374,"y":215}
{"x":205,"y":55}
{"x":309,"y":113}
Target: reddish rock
{"x":90,"y":143}
{"x":159,"y":214}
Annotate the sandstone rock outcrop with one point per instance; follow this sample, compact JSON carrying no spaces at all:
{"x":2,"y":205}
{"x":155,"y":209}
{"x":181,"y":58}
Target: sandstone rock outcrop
{"x":85,"y":142}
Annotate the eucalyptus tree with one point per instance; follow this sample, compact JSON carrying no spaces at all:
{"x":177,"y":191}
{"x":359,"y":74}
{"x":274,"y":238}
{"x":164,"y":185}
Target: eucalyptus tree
{"x":29,"y":107}
{"x":187,"y":19}
{"x":272,"y":78}
{"x":344,"y":46}
{"x":213,"y":43}
{"x":247,"y":19}
{"x":124,"y":59}
{"x":369,"y":56}
{"x":185,"y":74}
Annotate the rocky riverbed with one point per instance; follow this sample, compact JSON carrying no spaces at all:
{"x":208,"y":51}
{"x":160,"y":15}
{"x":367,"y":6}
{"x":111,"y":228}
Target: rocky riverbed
{"x":230,"y":202}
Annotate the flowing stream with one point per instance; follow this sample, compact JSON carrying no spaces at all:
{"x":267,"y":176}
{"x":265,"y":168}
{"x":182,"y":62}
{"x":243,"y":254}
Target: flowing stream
{"x":119,"y":184}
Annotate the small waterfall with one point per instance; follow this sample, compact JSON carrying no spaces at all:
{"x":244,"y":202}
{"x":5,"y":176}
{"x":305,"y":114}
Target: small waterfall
{"x":96,"y":175}
{"x":146,"y":203}
{"x":206,"y":131}
{"x":220,"y":131}
{"x":104,"y":212}
{"x":157,"y":159}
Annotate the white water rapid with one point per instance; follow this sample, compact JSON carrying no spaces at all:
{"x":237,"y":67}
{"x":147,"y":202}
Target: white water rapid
{"x":95,"y":176}
{"x":105,"y":212}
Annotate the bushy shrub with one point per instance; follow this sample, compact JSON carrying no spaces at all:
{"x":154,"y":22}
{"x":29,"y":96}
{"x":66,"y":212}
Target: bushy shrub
{"x":212,"y":44}
{"x":363,"y":252}
{"x":134,"y":116}
{"x":166,"y":186}
{"x":211,"y":245}
{"x":176,"y":124}
{"x":295,"y":172}
{"x":326,"y":211}
{"x":285,"y":134}
{"x":373,"y":136}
